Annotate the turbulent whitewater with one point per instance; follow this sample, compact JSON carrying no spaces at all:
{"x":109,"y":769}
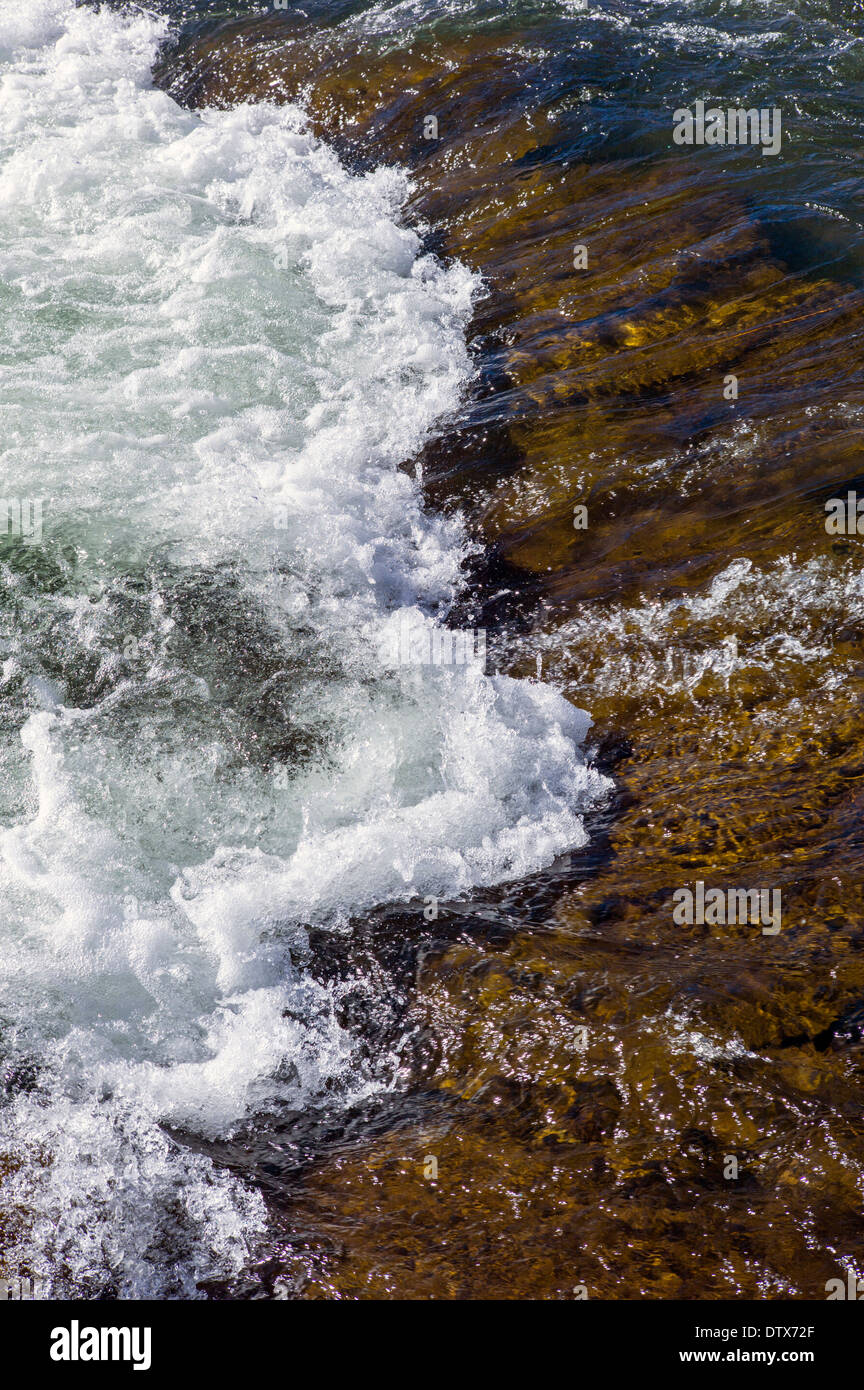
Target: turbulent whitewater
{"x":218,"y":347}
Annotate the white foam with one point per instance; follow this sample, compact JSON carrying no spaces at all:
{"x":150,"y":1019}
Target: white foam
{"x":221,"y":347}
{"x":779,"y":618}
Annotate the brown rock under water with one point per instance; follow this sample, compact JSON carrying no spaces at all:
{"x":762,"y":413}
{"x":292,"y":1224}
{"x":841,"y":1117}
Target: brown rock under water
{"x":706,"y":615}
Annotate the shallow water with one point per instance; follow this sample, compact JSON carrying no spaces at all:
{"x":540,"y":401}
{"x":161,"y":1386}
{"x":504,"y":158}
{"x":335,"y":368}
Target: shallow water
{"x":219,"y":345}
{"x":233,"y":1039}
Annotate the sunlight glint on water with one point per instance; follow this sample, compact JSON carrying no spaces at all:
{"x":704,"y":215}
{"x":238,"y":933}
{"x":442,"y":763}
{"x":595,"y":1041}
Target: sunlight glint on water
{"x":208,"y":324}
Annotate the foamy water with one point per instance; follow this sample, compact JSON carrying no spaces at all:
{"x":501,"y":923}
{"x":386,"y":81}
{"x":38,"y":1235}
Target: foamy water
{"x":219,"y":346}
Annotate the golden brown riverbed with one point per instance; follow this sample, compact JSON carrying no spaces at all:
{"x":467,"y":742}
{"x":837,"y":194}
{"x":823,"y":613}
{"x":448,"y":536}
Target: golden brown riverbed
{"x":581,"y":1068}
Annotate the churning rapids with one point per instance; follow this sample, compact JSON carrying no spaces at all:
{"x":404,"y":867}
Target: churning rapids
{"x":218,"y":347}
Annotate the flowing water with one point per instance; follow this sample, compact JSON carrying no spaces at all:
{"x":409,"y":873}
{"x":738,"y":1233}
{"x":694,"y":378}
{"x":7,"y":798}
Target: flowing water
{"x":215,"y":440}
{"x":281,"y":373}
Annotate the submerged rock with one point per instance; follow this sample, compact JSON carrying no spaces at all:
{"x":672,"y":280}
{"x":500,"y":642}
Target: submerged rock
{"x":652,"y":348}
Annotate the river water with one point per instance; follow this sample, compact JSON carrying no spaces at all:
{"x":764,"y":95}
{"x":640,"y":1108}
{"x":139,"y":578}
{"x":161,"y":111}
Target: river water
{"x":226,"y":338}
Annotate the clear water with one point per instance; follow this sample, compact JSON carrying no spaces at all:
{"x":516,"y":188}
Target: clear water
{"x":218,"y":347}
